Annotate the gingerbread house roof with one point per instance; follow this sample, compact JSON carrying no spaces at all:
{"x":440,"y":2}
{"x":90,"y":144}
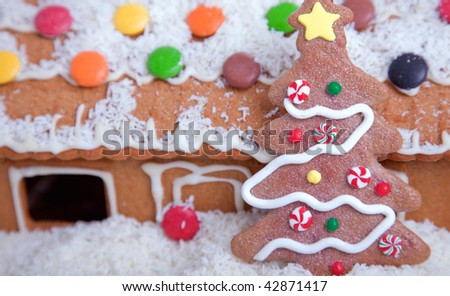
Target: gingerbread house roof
{"x":45,"y":114}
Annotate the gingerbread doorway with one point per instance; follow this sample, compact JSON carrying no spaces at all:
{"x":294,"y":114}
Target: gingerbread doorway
{"x":43,"y":194}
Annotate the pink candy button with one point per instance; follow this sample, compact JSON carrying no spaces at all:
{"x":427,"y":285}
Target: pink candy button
{"x":52,"y":21}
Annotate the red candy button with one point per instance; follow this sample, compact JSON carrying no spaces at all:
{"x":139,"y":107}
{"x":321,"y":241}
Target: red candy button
{"x":382,"y":189}
{"x":295,"y":136}
{"x":52,"y":21}
{"x":337,"y":268}
{"x":180,"y":223}
{"x":444,"y":10}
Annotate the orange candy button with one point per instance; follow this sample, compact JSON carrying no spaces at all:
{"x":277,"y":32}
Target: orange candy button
{"x":89,"y":68}
{"x":205,"y":21}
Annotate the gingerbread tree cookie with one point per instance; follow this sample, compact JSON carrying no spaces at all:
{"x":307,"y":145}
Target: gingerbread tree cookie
{"x":331,"y":204}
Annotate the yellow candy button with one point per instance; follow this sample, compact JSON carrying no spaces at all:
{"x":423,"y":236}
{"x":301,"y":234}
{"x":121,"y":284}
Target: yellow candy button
{"x":9,"y":66}
{"x":314,"y":177}
{"x":131,"y":19}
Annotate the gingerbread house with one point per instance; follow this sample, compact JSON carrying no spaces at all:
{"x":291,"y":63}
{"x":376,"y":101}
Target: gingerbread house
{"x":99,"y":118}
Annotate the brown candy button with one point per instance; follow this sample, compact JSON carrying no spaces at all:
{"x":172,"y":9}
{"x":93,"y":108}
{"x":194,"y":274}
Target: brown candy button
{"x":241,"y":70}
{"x":364,"y":12}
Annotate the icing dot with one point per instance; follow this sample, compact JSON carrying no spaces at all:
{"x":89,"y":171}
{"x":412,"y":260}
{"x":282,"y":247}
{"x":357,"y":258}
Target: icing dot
{"x":298,"y":91}
{"x":408,"y":71}
{"x":390,"y":245}
{"x":131,"y":19}
{"x":300,"y":219}
{"x":165,"y":62}
{"x":314,"y":177}
{"x":180,"y":223}
{"x":363,"y":11}
{"x":205,"y":21}
{"x":444,"y":10}
{"x":325,"y":133}
{"x":382,"y":189}
{"x":334,"y":88}
{"x":9,"y":66}
{"x":53,"y":21}
{"x":89,"y":68}
{"x":241,"y":70}
{"x":359,"y":177}
{"x":277,"y":17}
{"x":295,"y":136}
{"x":337,"y":268}
{"x":332,"y":224}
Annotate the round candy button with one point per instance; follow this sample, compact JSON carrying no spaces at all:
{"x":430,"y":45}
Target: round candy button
{"x":89,"y":68}
{"x":444,"y":10}
{"x":363,"y":11}
{"x":241,"y":70}
{"x":205,"y":21}
{"x":165,"y":62}
{"x":408,"y":71}
{"x":52,"y":21}
{"x":277,"y":17}
{"x":180,"y":223}
{"x":131,"y":19}
{"x":9,"y":66}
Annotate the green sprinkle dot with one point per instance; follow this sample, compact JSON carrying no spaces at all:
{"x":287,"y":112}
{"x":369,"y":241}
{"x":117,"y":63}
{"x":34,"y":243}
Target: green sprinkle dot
{"x":277,"y":17}
{"x":334,"y":88}
{"x":332,"y":224}
{"x":165,"y":62}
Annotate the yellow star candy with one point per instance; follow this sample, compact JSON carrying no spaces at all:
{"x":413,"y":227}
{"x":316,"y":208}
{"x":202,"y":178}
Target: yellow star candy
{"x":319,"y":23}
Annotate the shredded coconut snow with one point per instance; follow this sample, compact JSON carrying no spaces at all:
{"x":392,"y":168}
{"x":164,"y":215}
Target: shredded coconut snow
{"x":400,"y":27}
{"x":123,"y":246}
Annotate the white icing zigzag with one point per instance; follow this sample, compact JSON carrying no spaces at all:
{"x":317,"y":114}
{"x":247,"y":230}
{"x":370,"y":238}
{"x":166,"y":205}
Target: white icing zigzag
{"x":297,"y":159}
{"x":331,"y":242}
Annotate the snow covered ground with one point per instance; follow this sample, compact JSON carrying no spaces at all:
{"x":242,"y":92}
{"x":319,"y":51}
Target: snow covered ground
{"x":123,"y":246}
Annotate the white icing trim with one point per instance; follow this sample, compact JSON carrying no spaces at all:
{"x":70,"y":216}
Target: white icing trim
{"x":110,"y":114}
{"x":331,"y":242}
{"x":411,"y":144}
{"x":17,"y":174}
{"x":196,"y":176}
{"x":335,"y":114}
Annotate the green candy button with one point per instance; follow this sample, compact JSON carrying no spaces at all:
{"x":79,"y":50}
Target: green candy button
{"x":165,"y":62}
{"x":277,"y":17}
{"x":334,"y":88}
{"x":332,"y":224}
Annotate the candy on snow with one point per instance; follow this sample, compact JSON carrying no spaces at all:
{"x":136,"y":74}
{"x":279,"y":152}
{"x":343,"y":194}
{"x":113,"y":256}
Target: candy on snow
{"x":180,"y":223}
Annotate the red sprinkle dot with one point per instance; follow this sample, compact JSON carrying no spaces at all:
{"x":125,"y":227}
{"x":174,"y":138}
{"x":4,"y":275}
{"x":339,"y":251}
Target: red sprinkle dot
{"x":444,"y":10}
{"x":382,"y":189}
{"x":295,"y":136}
{"x":52,"y":21}
{"x":180,"y":223}
{"x":337,"y":268}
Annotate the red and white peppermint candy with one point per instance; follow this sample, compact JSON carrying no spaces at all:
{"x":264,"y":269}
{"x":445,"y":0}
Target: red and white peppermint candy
{"x":390,"y":245}
{"x":300,"y":219}
{"x":359,"y":177}
{"x":325,"y":133}
{"x":298,"y":91}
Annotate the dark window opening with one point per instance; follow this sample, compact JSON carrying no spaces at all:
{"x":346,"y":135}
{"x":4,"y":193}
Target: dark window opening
{"x":66,"y":198}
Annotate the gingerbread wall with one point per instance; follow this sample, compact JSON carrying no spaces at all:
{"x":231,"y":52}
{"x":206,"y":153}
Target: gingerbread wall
{"x":216,"y":188}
